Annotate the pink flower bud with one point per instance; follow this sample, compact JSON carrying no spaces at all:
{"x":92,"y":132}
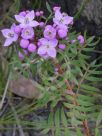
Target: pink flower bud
{"x":56,"y":8}
{"x":81,"y":39}
{"x":73,"y":41}
{"x":17,"y":29}
{"x":32,"y":48}
{"x":62,"y":46}
{"x":21,"y":56}
{"x":39,"y":43}
{"x":62,"y":33}
{"x":37,"y":13}
{"x":24,"y":43}
{"x":41,"y":13}
{"x":23,"y":13}
{"x":41,"y":24}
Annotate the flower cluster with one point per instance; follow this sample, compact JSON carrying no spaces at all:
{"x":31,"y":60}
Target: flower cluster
{"x":36,"y":36}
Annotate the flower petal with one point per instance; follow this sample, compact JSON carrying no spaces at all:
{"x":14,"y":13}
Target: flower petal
{"x":19,"y":18}
{"x":42,"y":50}
{"x":52,"y":52}
{"x":33,"y":23}
{"x":5,"y":32}
{"x":43,"y":41}
{"x":8,"y":42}
{"x":53,"y":42}
{"x":30,"y":15}
{"x":58,"y":15}
{"x":13,"y":26}
{"x":15,"y":38}
{"x":23,"y":25}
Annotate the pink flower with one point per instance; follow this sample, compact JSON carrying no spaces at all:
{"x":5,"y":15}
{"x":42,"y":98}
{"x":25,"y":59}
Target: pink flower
{"x":10,"y":35}
{"x":41,"y":13}
{"x":62,"y":46}
{"x":41,"y":24}
{"x":37,"y":13}
{"x":17,"y":29}
{"x":56,"y":8}
{"x":27,"y":33}
{"x":49,"y":32}
{"x":24,"y":43}
{"x":27,"y":20}
{"x":61,"y":19}
{"x":62,"y":33}
{"x":32,"y":47}
{"x":72,"y":41}
{"x":23,"y":13}
{"x":48,"y":47}
{"x":81,"y":39}
{"x":22,"y":54}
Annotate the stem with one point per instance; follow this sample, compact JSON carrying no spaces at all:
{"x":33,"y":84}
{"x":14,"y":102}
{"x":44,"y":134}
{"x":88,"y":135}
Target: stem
{"x":21,"y":133}
{"x":86,"y":129}
{"x":5,"y":91}
{"x":60,"y":71}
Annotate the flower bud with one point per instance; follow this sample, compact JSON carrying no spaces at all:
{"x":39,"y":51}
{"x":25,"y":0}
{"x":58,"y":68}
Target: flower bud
{"x":24,"y":43}
{"x":32,"y":48}
{"x":62,"y":46}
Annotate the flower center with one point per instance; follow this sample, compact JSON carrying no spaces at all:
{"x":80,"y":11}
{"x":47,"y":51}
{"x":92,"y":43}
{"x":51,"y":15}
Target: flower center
{"x":26,"y":21}
{"x":47,"y":46}
{"x":61,"y":21}
{"x":11,"y":35}
{"x":27,"y":32}
{"x":49,"y":33}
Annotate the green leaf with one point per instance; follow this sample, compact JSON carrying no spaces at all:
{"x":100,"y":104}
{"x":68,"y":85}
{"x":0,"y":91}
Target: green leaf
{"x":79,"y":133}
{"x":67,"y":132}
{"x":57,"y":123}
{"x":45,"y":131}
{"x":94,"y":72}
{"x":89,"y":40}
{"x":48,"y":7}
{"x":51,"y":120}
{"x":97,"y":133}
{"x":84,"y":102}
{"x":99,"y":119}
{"x":94,"y":79}
{"x":63,"y":118}
{"x":90,"y":88}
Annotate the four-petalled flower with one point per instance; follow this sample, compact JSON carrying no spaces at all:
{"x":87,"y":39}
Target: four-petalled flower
{"x":48,"y":47}
{"x":10,"y":35}
{"x":61,"y":19}
{"x":27,"y":20}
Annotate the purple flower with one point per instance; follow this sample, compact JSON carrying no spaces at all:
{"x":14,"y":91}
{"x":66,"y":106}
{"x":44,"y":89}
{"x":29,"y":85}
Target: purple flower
{"x":24,"y":43}
{"x":81,"y":39}
{"x":17,"y":29}
{"x":27,"y":20}
{"x":10,"y":35}
{"x":37,"y":13}
{"x":61,"y":19}
{"x":23,"y":13}
{"x":48,"y":47}
{"x":21,"y":56}
{"x":32,"y":47}
{"x":72,"y":41}
{"x":56,"y":8}
{"x":27,"y":33}
{"x":41,"y":24}
{"x":41,"y":13}
{"x":62,"y":33}
{"x":49,"y":32}
{"x":62,"y":46}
